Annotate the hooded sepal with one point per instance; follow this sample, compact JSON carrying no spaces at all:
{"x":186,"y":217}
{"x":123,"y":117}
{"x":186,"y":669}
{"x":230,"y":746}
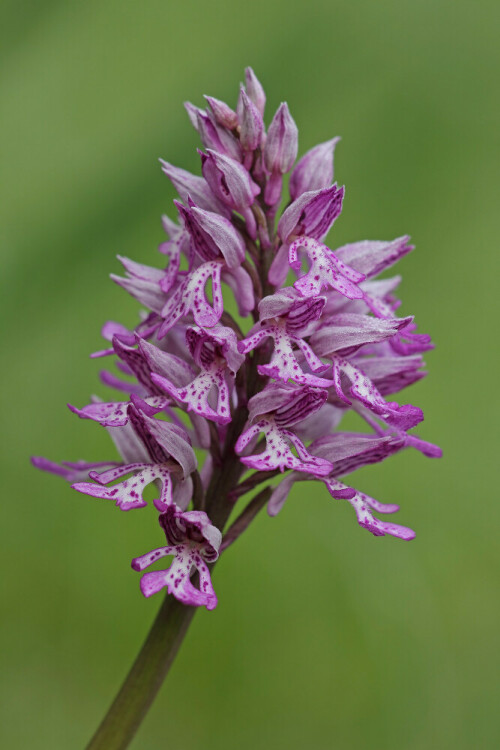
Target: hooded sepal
{"x":212,"y":236}
{"x":280,"y":152}
{"x":190,"y":185}
{"x":371,"y":257}
{"x":223,"y":113}
{"x":312,"y":214}
{"x":143,"y":283}
{"x":231,"y":183}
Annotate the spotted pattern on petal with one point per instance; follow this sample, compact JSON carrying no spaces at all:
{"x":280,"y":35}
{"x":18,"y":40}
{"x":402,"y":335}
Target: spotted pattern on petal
{"x":326,"y":270}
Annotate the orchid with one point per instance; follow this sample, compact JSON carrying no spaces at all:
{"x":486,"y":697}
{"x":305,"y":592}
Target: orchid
{"x":193,"y":542}
{"x":219,"y":405}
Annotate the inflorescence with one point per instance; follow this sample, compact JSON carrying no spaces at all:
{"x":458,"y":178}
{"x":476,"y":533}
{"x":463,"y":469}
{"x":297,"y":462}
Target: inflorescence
{"x":261,"y":391}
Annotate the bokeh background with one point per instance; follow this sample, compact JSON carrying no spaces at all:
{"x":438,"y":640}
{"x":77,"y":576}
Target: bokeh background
{"x":324,"y":637}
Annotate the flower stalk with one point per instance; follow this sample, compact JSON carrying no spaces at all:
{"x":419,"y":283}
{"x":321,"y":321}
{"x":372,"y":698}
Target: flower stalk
{"x":145,"y":678}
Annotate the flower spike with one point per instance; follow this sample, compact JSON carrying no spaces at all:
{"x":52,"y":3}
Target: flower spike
{"x":254,"y":340}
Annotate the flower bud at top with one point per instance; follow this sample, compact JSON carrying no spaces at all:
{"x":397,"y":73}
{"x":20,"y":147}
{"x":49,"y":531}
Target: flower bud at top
{"x":281,"y":146}
{"x":314,"y":171}
{"x":193,"y":111}
{"x":251,"y":122}
{"x":254,"y":90}
{"x":223,"y":114}
{"x":332,"y":343}
{"x":215,"y":137}
{"x":229,"y":180}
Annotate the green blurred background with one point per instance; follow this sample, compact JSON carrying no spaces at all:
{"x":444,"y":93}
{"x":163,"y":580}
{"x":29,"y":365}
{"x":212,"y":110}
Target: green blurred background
{"x":324,"y":637}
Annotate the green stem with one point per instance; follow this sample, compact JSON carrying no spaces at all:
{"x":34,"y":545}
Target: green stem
{"x":145,"y":678}
{"x":160,"y":647}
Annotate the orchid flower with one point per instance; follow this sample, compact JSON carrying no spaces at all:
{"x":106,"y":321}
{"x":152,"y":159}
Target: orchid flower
{"x":255,"y":338}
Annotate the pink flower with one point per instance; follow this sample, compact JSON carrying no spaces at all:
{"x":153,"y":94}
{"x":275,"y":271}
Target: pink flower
{"x":253,"y":343}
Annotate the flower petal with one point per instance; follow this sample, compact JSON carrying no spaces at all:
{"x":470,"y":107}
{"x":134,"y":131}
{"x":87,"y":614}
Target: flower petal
{"x":350,"y":331}
{"x":350,"y":451}
{"x":314,"y":171}
{"x":70,"y":471}
{"x":128,"y":494}
{"x":361,"y":504}
{"x":371,"y":257}
{"x":188,"y":184}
